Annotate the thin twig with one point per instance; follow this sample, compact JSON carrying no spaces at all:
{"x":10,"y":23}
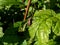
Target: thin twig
{"x":27,"y":9}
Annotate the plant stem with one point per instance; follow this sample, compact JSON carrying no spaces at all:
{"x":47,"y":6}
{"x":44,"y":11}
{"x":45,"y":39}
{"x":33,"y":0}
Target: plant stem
{"x":27,"y":9}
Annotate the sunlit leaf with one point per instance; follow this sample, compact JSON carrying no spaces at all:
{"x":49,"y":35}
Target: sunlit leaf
{"x":56,"y":30}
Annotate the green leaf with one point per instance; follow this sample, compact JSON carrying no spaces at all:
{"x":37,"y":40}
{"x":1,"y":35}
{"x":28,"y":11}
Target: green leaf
{"x":52,"y":42}
{"x":49,"y":22}
{"x":26,"y":2}
{"x":24,"y":42}
{"x":42,"y":34}
{"x":17,"y":24}
{"x":30,"y":9}
{"x":41,"y":26}
{"x":9,"y":3}
{"x":39,"y":4}
{"x":58,"y":5}
{"x":56,"y":29}
{"x":1,"y":24}
{"x":1,"y":32}
{"x":58,"y":16}
{"x":33,"y":29}
{"x":34,"y":1}
{"x":47,"y":13}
